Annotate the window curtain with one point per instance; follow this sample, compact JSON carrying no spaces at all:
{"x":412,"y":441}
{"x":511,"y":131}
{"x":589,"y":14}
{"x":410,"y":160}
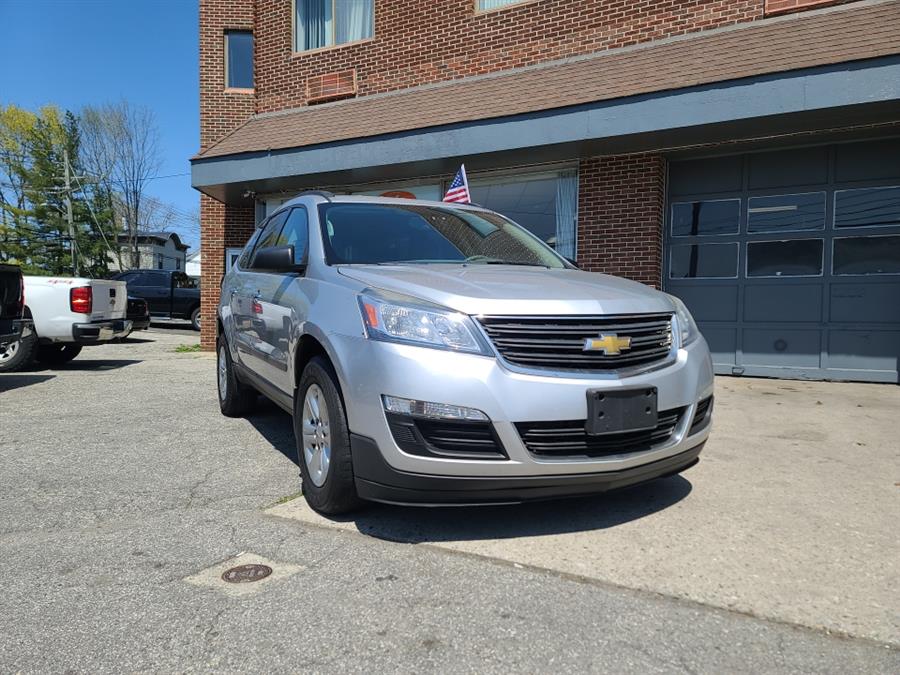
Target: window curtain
{"x":313,"y":24}
{"x":353,"y":20}
{"x":494,"y":4}
{"x":566,"y":213}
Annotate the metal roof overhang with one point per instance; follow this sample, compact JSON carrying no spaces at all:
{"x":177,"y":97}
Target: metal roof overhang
{"x":816,"y":99}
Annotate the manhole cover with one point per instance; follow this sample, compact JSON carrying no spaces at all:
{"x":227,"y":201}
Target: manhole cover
{"x":246,"y":573}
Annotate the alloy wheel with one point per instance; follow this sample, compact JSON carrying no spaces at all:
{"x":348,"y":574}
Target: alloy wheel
{"x":316,"y":435}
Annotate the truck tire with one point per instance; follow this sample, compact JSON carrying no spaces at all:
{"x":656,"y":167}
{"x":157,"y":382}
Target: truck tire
{"x":323,"y":441}
{"x":195,"y":318}
{"x":236,"y":399}
{"x":18,"y":355}
{"x":56,"y":355}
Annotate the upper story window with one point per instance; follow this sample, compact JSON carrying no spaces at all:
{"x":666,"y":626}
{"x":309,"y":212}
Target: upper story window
{"x":324,"y":23}
{"x":238,"y":59}
{"x":483,"y":5}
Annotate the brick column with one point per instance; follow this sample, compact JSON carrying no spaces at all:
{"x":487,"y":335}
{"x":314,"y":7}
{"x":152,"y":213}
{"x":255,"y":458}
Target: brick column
{"x":621,"y":202}
{"x":221,"y":227}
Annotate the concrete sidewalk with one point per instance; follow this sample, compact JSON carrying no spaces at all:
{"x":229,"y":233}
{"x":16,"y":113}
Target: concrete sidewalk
{"x":792,"y":514}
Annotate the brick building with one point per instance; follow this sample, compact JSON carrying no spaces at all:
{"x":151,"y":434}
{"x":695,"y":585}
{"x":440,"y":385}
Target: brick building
{"x":742,"y":154}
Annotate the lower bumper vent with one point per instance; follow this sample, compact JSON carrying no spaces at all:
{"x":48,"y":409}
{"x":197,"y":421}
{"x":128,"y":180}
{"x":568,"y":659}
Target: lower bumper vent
{"x":461,"y":439}
{"x":569,"y":439}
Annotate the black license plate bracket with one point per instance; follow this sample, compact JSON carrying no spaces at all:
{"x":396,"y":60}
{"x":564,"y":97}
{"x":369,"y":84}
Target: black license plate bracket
{"x":621,"y":410}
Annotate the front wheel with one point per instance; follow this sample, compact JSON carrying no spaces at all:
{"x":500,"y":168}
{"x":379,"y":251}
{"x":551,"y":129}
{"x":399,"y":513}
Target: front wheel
{"x":56,"y":355}
{"x":195,"y":319}
{"x":17,"y":355}
{"x":323,"y":441}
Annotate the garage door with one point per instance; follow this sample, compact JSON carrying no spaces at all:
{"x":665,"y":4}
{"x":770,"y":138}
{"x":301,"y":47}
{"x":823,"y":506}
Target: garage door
{"x":790,"y":260}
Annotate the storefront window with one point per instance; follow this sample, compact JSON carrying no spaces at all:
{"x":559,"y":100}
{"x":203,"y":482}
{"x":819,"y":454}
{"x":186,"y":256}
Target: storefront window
{"x":545,"y":204}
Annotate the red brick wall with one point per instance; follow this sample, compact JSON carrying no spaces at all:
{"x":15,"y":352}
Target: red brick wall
{"x":221,"y":226}
{"x":423,"y":41}
{"x":221,"y":111}
{"x":621,"y":203}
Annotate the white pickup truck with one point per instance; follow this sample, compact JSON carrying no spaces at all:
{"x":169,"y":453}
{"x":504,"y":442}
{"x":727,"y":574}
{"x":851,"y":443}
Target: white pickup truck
{"x":68,"y":313}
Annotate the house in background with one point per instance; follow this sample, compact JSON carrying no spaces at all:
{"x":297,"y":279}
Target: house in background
{"x":158,"y":251}
{"x":740,"y":154}
{"x":192,"y":264}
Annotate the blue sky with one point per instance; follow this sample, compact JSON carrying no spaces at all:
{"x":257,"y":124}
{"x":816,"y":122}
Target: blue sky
{"x":78,"y":52}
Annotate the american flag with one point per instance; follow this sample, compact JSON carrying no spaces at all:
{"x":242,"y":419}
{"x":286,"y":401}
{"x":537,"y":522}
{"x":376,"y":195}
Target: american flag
{"x":459,"y":188}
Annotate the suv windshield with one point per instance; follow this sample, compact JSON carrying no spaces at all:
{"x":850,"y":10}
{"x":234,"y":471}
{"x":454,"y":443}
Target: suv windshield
{"x":362,"y":233}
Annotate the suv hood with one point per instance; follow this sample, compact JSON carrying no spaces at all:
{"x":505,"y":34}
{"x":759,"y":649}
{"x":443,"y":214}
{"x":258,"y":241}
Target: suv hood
{"x":506,"y":289}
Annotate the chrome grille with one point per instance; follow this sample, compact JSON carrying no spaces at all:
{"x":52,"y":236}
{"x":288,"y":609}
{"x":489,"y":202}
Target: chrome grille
{"x":557,"y":342}
{"x":569,"y":439}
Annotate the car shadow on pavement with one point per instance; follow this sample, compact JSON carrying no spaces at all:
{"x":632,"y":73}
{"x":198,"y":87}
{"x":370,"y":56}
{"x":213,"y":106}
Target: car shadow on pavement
{"x":86,"y":365}
{"x":471,"y":523}
{"x":414,"y":525}
{"x":10,"y":382}
{"x":275,"y":426}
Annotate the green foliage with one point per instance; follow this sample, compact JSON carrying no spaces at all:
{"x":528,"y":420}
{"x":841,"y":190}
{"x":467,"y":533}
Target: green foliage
{"x":182,"y":349}
{"x":34,"y":230}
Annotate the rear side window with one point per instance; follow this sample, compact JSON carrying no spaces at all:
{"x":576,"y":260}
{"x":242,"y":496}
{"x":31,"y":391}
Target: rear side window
{"x":296,"y":233}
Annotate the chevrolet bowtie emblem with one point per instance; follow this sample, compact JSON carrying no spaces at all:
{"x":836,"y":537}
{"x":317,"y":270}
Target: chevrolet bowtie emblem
{"x":610,"y":344}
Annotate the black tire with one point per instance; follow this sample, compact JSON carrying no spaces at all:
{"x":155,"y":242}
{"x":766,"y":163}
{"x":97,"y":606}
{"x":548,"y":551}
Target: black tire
{"x":56,"y":355}
{"x":18,"y":355}
{"x":238,"y":399}
{"x":195,"y":318}
{"x":337,"y":494}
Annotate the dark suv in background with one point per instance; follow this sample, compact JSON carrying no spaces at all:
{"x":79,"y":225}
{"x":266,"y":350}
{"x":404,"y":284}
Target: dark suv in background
{"x":170,"y":294}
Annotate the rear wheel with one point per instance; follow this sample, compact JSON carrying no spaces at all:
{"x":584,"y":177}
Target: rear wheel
{"x":195,"y":319}
{"x":55,"y":355}
{"x":235,"y":398}
{"x":17,"y":355}
{"x":323,"y":441}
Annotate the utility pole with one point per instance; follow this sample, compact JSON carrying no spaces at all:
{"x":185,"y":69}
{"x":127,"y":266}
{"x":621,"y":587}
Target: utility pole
{"x":69,"y":218}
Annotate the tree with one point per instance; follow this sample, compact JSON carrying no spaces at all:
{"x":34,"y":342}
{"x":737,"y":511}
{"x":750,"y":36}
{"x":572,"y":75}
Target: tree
{"x":122,"y":150}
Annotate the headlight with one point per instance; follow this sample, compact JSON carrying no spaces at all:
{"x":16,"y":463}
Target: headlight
{"x":686,"y":326}
{"x":409,"y":321}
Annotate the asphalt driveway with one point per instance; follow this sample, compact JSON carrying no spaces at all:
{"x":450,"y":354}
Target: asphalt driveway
{"x":125,"y":494}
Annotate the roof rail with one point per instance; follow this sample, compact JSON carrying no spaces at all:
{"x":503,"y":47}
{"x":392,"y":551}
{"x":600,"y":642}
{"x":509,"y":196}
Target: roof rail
{"x":321,"y":193}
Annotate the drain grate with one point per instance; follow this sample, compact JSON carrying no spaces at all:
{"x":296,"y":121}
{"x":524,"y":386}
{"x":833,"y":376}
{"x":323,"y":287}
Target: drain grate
{"x":243,"y":574}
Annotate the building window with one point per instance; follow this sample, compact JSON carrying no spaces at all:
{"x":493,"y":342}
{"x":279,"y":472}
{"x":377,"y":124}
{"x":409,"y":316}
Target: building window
{"x":484,"y":5}
{"x":713,"y":217}
{"x":238,"y":59}
{"x":544,"y":204}
{"x":324,"y":23}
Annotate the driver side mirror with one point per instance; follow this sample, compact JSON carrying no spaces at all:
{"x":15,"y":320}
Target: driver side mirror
{"x":276,"y":259}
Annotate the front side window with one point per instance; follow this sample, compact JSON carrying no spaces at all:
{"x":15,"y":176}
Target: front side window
{"x":324,"y":23}
{"x":415,"y":234}
{"x":295,"y":233}
{"x":239,"y":59}
{"x":269,"y":235}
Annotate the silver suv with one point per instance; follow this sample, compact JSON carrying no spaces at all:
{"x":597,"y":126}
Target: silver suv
{"x":433,"y":353}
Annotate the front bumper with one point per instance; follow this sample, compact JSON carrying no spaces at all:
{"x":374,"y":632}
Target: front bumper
{"x":100,"y":331}
{"x":368,"y":369}
{"x":378,"y":481}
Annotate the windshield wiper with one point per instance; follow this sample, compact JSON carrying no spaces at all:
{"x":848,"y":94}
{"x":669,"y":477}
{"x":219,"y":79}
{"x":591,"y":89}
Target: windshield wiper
{"x":487,"y":260}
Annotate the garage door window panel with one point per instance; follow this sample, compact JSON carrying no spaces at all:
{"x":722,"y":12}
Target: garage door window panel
{"x":790,"y":258}
{"x":703,"y":261}
{"x":867,"y":207}
{"x":701,"y":218}
{"x":786,"y":213}
{"x":859,"y":256}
